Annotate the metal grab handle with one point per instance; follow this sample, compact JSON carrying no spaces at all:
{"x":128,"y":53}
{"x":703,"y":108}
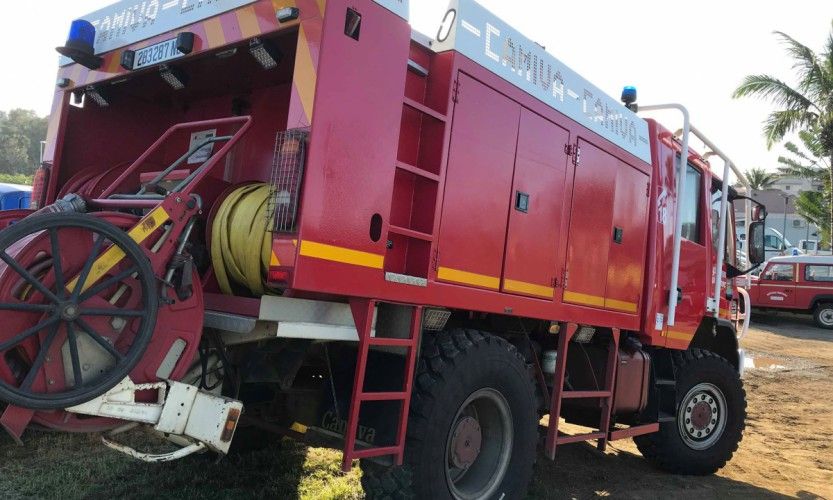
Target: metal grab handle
{"x":246,"y":122}
{"x":747,"y":310}
{"x":154,"y":457}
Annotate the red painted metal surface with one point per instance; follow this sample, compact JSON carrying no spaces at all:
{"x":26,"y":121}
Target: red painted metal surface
{"x":481,"y":161}
{"x":533,"y":256}
{"x":589,"y":238}
{"x":626,"y":260}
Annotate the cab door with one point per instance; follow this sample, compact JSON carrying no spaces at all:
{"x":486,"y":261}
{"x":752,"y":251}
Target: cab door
{"x":777,"y":285}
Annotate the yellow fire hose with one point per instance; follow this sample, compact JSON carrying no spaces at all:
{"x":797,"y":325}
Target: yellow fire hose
{"x":241,"y":245}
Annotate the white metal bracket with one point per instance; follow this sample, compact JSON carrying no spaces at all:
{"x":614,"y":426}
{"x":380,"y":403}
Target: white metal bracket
{"x":194,"y":419}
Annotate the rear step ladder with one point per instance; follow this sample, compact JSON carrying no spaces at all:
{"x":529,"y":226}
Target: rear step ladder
{"x":363,"y":311}
{"x":605,"y":395}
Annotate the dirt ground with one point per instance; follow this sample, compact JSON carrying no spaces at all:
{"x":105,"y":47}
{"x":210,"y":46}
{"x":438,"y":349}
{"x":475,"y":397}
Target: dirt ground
{"x":786,"y":450}
{"x":785,"y":453}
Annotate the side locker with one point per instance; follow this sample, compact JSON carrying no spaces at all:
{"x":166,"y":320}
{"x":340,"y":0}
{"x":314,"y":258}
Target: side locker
{"x":591,"y":226}
{"x":626,"y":261}
{"x":536,"y":205}
{"x":479,"y":175}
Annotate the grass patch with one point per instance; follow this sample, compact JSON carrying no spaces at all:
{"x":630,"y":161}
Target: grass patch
{"x":16,"y":179}
{"x":53,"y":465}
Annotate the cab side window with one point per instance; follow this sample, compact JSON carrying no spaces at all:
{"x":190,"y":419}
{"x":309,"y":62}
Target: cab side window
{"x":780,"y":272}
{"x":818,"y":273}
{"x":690,"y":205}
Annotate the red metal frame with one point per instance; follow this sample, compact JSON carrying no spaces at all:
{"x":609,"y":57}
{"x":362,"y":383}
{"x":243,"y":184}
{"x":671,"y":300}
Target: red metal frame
{"x":363,"y":313}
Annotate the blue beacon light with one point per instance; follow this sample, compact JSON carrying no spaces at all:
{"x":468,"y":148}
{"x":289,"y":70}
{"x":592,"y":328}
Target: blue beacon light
{"x":80,"y":44}
{"x":629,"y":97}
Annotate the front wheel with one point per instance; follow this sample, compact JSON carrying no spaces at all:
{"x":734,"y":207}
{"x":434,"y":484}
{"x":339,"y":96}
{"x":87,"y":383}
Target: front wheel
{"x":711,"y":415}
{"x":472,"y":431}
{"x":823,"y":316}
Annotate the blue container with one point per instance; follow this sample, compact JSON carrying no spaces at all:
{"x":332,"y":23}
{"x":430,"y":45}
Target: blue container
{"x":14,"y":196}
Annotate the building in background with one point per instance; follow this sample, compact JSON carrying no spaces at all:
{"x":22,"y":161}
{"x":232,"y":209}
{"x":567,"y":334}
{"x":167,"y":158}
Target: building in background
{"x":782,"y":222}
{"x":792,"y":185}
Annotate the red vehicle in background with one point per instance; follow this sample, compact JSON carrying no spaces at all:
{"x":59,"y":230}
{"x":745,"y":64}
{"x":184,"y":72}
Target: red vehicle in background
{"x":799,"y":284}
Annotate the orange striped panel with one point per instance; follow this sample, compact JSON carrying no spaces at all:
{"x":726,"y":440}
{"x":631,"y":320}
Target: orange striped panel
{"x":247,"y":19}
{"x":214,"y":32}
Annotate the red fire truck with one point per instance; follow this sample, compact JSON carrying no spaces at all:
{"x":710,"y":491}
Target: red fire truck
{"x":300,"y":216}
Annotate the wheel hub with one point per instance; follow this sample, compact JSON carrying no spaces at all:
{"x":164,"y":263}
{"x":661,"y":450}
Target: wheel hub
{"x":466,"y":442}
{"x":702,"y":417}
{"x":70,"y":311}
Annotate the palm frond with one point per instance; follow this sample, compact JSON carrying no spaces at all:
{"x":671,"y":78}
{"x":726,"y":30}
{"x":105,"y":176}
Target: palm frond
{"x":779,"y":123}
{"x":791,"y":167}
{"x":776,"y":91}
{"x":811,"y":76}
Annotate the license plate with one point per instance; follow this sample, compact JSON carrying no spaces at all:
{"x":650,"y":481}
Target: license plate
{"x":157,"y":53}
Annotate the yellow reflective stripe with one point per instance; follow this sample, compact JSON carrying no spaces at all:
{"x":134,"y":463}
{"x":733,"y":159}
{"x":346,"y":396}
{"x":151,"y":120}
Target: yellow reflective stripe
{"x":528,"y":288}
{"x":621,"y":305}
{"x":584,"y":299}
{"x":343,"y":255}
{"x":114,"y":254}
{"x":274,"y":262}
{"x":467,"y":278}
{"x":679,"y":335}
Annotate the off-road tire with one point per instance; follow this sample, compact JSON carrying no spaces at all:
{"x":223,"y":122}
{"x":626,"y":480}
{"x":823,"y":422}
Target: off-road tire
{"x":822,"y":308}
{"x":667,"y":449}
{"x":453,"y":365}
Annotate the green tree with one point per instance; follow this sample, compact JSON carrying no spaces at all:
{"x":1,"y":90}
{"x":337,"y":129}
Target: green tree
{"x":807,"y":162}
{"x":807,"y":106}
{"x":21,"y":132}
{"x":760,"y":179}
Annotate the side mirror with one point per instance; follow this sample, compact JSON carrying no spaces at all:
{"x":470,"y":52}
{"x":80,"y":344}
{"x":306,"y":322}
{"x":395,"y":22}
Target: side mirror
{"x":759,"y":213}
{"x":756,"y":252}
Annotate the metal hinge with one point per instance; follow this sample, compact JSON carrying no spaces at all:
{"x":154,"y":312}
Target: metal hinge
{"x":455,"y":92}
{"x":575,"y":151}
{"x":436,"y":259}
{"x":648,"y":190}
{"x":564,"y":275}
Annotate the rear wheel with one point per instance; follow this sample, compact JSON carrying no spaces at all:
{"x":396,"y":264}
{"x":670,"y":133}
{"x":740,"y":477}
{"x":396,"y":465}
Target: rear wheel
{"x":711,"y":415}
{"x":823,"y":315}
{"x":472,"y":431}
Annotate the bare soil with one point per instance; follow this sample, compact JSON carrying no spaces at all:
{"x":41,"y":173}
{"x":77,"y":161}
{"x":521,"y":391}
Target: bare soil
{"x":785,"y":453}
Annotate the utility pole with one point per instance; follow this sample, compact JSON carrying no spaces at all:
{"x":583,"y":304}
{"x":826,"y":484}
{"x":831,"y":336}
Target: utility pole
{"x":784,"y":232}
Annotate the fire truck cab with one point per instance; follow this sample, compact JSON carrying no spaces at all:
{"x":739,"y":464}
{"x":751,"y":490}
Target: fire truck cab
{"x":300,"y":216}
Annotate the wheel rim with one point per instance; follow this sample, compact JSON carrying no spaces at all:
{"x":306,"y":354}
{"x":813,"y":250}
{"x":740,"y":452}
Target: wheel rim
{"x":73,"y":332}
{"x":826,"y":317}
{"x":479,"y":445}
{"x":702,"y":416}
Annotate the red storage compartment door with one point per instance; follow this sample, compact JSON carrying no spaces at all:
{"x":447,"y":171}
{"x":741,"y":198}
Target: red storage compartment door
{"x":626,"y":261}
{"x":478,"y":180}
{"x":535,"y":214}
{"x":591,"y":227}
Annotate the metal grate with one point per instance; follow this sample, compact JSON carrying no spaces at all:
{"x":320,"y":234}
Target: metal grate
{"x":285,"y":182}
{"x":434,"y":320}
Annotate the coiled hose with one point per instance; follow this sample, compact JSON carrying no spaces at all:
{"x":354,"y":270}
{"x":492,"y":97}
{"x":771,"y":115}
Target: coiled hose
{"x":241,"y":240}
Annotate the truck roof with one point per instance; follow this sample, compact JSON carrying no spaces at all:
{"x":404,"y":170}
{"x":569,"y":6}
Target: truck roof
{"x":478,"y":34}
{"x":803,"y":259}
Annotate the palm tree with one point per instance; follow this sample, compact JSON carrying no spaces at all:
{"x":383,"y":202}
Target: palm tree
{"x":807,"y":107}
{"x":760,"y":179}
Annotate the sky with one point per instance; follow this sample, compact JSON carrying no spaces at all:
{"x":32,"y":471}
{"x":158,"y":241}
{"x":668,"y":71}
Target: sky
{"x":693,"y":53}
